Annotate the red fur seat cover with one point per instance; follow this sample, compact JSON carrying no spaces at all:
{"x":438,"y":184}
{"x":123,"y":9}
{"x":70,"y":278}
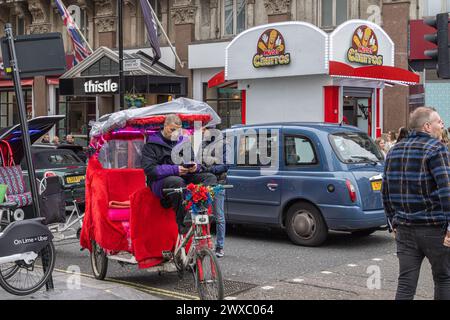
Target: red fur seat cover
{"x":153,"y":229}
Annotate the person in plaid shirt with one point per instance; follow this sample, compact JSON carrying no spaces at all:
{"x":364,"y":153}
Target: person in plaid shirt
{"x":416,"y":198}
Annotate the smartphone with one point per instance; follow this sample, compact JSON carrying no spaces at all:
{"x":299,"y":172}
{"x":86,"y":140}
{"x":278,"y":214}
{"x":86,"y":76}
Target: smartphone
{"x":188,"y":165}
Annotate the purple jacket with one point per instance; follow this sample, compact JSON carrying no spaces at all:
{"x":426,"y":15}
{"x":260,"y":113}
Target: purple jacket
{"x":157,"y":161}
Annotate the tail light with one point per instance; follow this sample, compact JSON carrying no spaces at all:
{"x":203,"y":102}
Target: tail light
{"x":351,"y":190}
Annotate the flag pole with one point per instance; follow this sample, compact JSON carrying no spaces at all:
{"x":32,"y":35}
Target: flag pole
{"x":165,"y":35}
{"x":121,"y":75}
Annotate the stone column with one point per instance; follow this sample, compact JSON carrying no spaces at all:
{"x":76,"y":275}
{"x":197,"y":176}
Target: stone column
{"x":278,"y":10}
{"x":183,"y":14}
{"x":130,"y":24}
{"x":105,"y":22}
{"x":40,"y":92}
{"x":214,"y":31}
{"x":164,"y":20}
{"x":395,"y":102}
{"x":250,"y":13}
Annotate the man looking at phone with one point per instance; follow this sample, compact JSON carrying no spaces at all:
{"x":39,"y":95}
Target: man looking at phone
{"x":162,"y":172}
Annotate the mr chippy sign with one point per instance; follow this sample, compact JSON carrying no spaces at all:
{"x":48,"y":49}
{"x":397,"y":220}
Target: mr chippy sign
{"x":271,"y":50}
{"x":364,"y":47}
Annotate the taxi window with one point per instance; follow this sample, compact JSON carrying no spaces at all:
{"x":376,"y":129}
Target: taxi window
{"x":355,"y":147}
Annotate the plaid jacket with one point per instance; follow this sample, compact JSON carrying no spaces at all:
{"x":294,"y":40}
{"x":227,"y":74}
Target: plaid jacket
{"x":416,"y":182}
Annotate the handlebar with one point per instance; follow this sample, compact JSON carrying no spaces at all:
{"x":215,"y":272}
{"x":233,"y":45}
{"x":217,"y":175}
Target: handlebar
{"x":181,"y":189}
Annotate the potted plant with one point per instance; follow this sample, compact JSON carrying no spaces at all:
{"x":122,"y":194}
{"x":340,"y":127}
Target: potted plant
{"x":134,"y":100}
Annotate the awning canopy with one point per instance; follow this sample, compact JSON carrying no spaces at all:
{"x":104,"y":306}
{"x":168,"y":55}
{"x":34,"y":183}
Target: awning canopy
{"x":390,"y":75}
{"x":218,"y":80}
{"x":10,"y":83}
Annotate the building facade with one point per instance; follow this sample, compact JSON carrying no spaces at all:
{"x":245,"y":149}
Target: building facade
{"x":200,"y":30}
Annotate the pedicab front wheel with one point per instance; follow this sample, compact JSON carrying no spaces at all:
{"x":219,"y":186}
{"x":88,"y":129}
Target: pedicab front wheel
{"x":99,"y":261}
{"x":208,"y":275}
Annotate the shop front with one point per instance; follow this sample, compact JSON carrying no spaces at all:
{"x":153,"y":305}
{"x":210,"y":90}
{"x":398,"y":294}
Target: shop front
{"x":91,"y":89}
{"x":294,"y":71}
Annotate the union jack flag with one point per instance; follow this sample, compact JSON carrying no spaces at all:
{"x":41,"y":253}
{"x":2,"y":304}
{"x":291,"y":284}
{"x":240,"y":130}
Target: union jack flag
{"x":80,"y":47}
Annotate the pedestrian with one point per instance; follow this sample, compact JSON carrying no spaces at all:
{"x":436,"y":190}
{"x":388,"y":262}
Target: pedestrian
{"x":416,"y":199}
{"x":390,"y":140}
{"x":216,"y":164}
{"x":55,"y":140}
{"x":45,"y":139}
{"x":403,"y":132}
{"x":381,"y":144}
{"x":69,"y":139}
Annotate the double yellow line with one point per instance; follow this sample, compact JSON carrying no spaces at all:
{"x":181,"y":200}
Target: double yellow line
{"x":140,"y":287}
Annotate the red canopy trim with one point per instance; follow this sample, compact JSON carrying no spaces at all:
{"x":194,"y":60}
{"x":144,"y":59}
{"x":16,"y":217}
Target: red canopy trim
{"x":381,"y":73}
{"x":53,"y":81}
{"x":218,"y":80}
{"x":10,"y":83}
{"x":204,"y":118}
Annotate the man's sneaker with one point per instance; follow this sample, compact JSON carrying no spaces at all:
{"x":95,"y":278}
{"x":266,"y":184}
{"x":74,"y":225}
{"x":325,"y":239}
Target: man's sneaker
{"x":219,"y":252}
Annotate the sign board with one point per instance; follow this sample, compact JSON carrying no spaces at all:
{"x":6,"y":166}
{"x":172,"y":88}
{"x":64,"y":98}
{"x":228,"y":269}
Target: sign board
{"x":361,"y":43}
{"x":131,"y":64}
{"x":271,"y":50}
{"x":277,"y":50}
{"x":37,"y":54}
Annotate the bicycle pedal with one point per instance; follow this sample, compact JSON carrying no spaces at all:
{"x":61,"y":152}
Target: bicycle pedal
{"x":167,"y":255}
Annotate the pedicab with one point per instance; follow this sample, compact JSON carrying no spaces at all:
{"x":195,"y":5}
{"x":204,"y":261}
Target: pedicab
{"x":124,"y":221}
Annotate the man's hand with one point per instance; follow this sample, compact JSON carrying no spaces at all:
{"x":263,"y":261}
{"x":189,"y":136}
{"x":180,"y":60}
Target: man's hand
{"x":193,"y":169}
{"x":447,"y":239}
{"x":183,"y":171}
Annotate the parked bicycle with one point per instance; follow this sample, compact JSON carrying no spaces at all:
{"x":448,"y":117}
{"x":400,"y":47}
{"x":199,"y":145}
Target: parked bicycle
{"x":27,"y":255}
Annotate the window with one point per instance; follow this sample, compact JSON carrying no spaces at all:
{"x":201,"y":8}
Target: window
{"x":333,"y":12}
{"x":226,"y":102}
{"x":9,"y":112}
{"x":433,"y":7}
{"x":298,"y":151}
{"x":104,"y":67}
{"x":63,"y":159}
{"x":20,"y":26}
{"x":234,"y":16}
{"x":80,"y":17}
{"x":254,"y":151}
{"x":355,"y":147}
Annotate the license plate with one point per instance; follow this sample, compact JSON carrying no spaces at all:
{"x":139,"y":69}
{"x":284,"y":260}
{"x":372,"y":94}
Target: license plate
{"x":376,"y":185}
{"x":201,"y":219}
{"x":75,"y":179}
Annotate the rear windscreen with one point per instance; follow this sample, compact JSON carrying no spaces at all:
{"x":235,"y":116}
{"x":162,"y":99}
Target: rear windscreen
{"x":354,"y":147}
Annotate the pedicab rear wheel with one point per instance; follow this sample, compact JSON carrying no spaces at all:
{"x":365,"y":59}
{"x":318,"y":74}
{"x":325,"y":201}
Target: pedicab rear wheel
{"x":208,"y":275}
{"x":29,"y":276}
{"x":99,"y":261}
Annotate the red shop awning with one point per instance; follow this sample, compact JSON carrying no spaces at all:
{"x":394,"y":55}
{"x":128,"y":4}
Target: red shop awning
{"x":391,"y":75}
{"x":218,"y":80}
{"x":10,"y":83}
{"x":53,"y":81}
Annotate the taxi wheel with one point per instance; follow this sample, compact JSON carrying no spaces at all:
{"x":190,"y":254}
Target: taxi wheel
{"x":305,"y":225}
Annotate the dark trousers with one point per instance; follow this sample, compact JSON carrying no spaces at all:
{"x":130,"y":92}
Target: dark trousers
{"x":176,"y":200}
{"x":413,"y":245}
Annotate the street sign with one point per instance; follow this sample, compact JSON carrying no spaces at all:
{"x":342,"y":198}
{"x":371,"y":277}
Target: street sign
{"x":38,"y":54}
{"x":131,"y":64}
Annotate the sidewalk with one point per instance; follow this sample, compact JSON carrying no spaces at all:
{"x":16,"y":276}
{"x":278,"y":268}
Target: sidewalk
{"x":77,"y":287}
